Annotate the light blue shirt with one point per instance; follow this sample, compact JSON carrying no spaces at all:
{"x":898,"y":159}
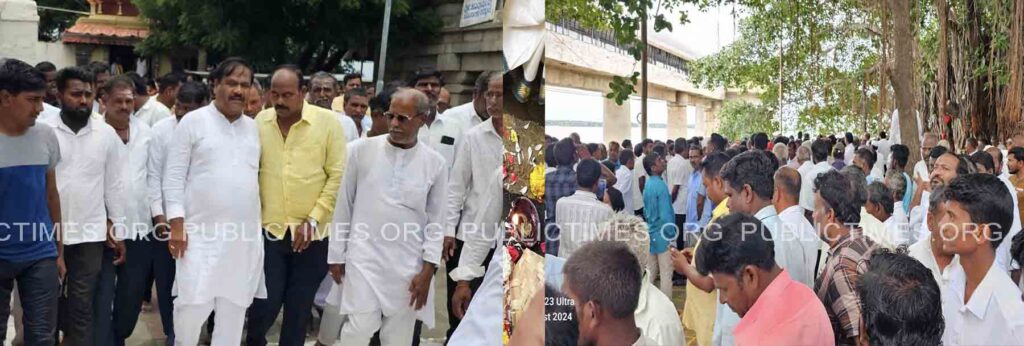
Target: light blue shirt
{"x":697,"y":220}
{"x":659,"y":213}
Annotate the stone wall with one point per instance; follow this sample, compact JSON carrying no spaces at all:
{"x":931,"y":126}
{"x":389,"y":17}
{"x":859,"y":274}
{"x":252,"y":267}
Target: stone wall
{"x":19,"y":27}
{"x":461,"y":54}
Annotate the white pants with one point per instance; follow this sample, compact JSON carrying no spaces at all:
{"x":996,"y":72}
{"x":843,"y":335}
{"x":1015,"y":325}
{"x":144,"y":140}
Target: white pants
{"x":661,"y":264}
{"x":394,"y":330}
{"x":330,"y":325}
{"x":227,"y":322}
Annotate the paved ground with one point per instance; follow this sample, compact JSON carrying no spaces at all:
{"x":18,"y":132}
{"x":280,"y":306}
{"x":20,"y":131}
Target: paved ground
{"x":149,"y":332}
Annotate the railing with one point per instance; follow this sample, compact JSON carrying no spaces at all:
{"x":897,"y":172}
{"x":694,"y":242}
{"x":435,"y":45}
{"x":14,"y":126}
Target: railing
{"x":606,"y":39}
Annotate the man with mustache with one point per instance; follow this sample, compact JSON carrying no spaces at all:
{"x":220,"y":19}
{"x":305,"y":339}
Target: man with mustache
{"x":349,"y":82}
{"x":388,"y":242}
{"x":191,"y":96}
{"x":354,"y":120}
{"x":31,"y":260}
{"x":92,"y":203}
{"x":301,"y":163}
{"x":131,"y":283}
{"x":211,"y":189}
{"x":487,"y":96}
{"x":441,"y":132}
{"x":147,"y":108}
{"x":474,"y":209}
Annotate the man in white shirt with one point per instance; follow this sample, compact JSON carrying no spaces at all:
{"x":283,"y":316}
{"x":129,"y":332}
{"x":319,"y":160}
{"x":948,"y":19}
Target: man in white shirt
{"x":442,"y":133}
{"x":880,"y":207}
{"x":928,"y":142}
{"x":803,"y":159}
{"x":982,"y":305}
{"x":388,"y":242}
{"x":89,"y":183}
{"x":624,"y":179}
{"x":132,"y":277}
{"x":147,"y":108}
{"x":794,"y":224}
{"x":488,"y":87}
{"x":679,"y":172}
{"x":929,"y":251}
{"x":191,"y":96}
{"x":474,"y":197}
{"x":579,"y":215}
{"x":655,"y":314}
{"x":749,"y":185}
{"x":211,"y":189}
{"x":1003,"y":257}
{"x":819,"y":154}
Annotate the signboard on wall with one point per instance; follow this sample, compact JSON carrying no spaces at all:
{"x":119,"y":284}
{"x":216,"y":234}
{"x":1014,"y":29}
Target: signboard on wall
{"x":477,"y":11}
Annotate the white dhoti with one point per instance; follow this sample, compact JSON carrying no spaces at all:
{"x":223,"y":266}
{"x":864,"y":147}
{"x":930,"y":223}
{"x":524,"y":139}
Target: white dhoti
{"x":228,"y":322}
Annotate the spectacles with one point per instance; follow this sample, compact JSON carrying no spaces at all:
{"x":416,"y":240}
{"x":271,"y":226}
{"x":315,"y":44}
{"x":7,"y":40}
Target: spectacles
{"x":401,"y":117}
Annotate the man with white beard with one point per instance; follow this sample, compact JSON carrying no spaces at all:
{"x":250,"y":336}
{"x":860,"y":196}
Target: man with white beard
{"x":211,"y":189}
{"x":387,"y":242}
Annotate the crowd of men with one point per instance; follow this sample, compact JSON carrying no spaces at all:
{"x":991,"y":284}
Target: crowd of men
{"x":240,"y":201}
{"x":788,"y":241}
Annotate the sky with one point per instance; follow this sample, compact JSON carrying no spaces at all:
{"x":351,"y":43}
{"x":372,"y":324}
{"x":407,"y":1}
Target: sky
{"x":705,"y":33}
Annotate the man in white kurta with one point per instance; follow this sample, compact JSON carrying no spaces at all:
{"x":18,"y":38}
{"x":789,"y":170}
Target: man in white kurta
{"x":389,"y":221}
{"x":474,"y":201}
{"x":211,"y":190}
{"x":191,"y":96}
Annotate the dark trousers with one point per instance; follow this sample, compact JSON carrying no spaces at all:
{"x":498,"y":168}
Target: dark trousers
{"x":163,"y":275}
{"x":103,"y":301}
{"x":680,"y":243}
{"x":292,"y":280}
{"x":133,"y":285}
{"x":453,"y":262}
{"x":38,"y":288}
{"x":84,"y":262}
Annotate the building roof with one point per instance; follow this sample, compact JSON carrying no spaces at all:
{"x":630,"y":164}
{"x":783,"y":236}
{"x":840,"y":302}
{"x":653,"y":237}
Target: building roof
{"x":104,"y":33}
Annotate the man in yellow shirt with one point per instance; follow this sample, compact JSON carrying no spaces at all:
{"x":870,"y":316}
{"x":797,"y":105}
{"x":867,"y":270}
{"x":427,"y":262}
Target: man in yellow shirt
{"x":301,"y":164}
{"x":699,"y":312}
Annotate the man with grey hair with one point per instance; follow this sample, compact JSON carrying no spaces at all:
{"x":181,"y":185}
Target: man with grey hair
{"x":655,"y":314}
{"x":928,"y":142}
{"x":896,"y":183}
{"x":782,"y":153}
{"x":487,"y":100}
{"x":803,"y":159}
{"x":387,"y":242}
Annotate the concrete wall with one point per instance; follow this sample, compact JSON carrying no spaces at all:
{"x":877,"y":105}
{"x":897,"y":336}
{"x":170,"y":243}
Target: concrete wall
{"x":459,"y":53}
{"x":19,"y":27}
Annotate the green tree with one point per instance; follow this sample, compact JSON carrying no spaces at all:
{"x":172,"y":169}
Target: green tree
{"x":739,"y":119}
{"x":53,"y":23}
{"x":314,"y":34}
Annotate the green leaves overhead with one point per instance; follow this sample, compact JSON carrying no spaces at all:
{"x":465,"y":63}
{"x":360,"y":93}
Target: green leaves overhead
{"x":315,"y":34}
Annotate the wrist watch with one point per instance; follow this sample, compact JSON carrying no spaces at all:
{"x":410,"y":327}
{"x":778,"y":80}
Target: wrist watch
{"x":312,"y":222}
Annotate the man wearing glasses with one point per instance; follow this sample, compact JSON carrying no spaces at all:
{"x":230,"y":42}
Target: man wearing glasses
{"x":387,"y":243}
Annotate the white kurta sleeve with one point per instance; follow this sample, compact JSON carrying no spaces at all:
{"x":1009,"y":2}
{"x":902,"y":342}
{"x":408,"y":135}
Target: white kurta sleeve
{"x":114,"y":194}
{"x":178,"y":156}
{"x":433,"y":233}
{"x":154,"y":176}
{"x":474,"y":249}
{"x":342,"y":221}
{"x":459,"y":181}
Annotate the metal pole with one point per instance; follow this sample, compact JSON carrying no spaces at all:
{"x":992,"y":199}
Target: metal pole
{"x":383,"y":45}
{"x":643,"y":73}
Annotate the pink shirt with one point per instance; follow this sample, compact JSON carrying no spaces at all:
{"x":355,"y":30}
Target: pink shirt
{"x":786,"y":313}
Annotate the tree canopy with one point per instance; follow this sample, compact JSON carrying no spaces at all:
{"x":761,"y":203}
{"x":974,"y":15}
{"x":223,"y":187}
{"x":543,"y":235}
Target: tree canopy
{"x":314,"y":34}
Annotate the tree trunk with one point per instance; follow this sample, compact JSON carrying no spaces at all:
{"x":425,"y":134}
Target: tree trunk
{"x":942,"y":68}
{"x":904,"y":76}
{"x":1012,"y":112}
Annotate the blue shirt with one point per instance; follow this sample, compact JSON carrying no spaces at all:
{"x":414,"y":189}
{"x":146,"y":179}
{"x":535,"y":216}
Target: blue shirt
{"x":696,"y":220}
{"x":26,"y":230}
{"x":659,"y":214}
{"x":557,"y":184}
